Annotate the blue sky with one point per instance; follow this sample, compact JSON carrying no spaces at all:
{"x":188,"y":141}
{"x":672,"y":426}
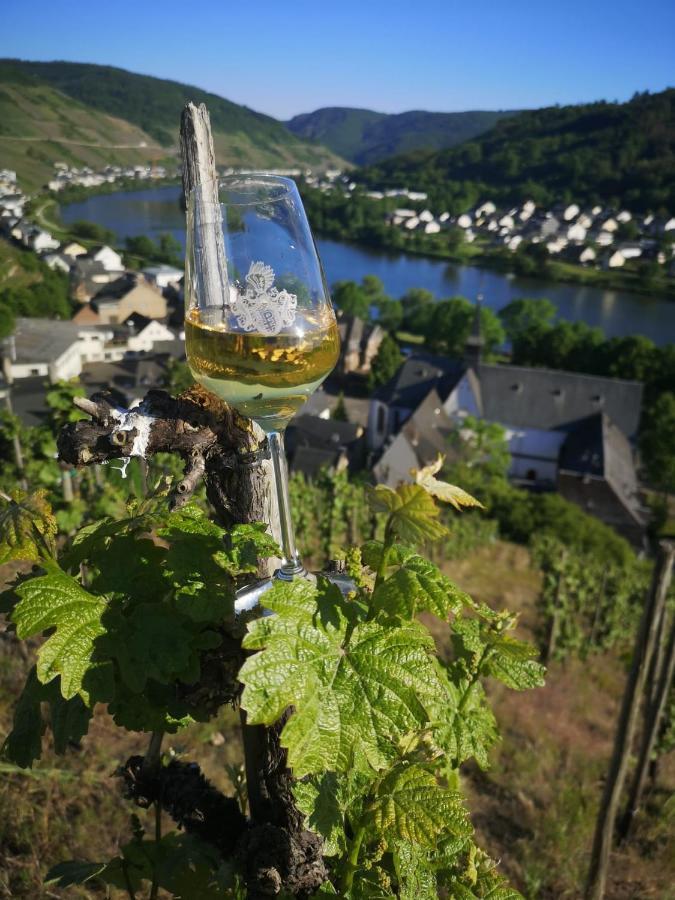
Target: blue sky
{"x":293,"y":56}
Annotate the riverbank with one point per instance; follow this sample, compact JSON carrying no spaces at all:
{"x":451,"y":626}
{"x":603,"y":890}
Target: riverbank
{"x":358,"y":219}
{"x":483,"y":257}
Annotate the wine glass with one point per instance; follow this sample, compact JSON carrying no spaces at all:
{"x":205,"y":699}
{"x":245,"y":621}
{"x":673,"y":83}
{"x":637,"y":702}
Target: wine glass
{"x":260,"y":331}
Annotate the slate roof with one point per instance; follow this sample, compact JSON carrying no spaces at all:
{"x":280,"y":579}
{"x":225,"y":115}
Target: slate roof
{"x":596,"y":447}
{"x":313,"y":443}
{"x":550,"y":399}
{"x":43,"y":340}
{"x":28,"y":396}
{"x":417,"y":376}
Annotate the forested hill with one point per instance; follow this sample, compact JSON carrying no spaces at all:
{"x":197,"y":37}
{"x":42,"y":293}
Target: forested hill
{"x":618,"y":153}
{"x":364,"y":136}
{"x":61,"y":110}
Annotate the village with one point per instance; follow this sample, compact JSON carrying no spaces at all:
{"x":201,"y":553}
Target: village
{"x":566,"y":432}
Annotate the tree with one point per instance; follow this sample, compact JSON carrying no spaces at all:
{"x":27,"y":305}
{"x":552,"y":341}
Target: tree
{"x":657,"y":442}
{"x":7,"y":322}
{"x":526,"y":318}
{"x":351,"y":299}
{"x":386,"y":362}
{"x":339,"y":412}
{"x":450,"y":324}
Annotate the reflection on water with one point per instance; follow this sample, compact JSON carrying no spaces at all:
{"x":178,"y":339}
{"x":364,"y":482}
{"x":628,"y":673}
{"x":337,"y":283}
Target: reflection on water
{"x":157,"y":210}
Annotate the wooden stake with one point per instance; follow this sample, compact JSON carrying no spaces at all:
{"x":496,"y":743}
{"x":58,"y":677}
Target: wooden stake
{"x":630,"y":708}
{"x":653,"y":719}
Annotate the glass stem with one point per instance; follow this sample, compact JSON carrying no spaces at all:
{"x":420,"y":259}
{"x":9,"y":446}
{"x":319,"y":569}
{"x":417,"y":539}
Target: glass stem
{"x":291,"y":566}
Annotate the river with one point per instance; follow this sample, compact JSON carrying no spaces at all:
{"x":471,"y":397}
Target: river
{"x":617,"y":313}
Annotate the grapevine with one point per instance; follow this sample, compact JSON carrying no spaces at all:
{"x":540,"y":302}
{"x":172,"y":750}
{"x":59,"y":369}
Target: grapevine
{"x":371,"y":727}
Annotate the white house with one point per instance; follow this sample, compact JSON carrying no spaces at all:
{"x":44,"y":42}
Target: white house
{"x":556,"y":245}
{"x":604,"y":238}
{"x":163,"y":276}
{"x":630,"y":250}
{"x":669,"y":225}
{"x":576,"y":232}
{"x":411,"y":223}
{"x":514,"y":242}
{"x":57,"y":262}
{"x":623,"y":216}
{"x":148,"y":336}
{"x":109,"y":258}
{"x":432,"y":228}
{"x":507,"y":222}
{"x":587,"y":255}
{"x":426,"y":216}
{"x":444,"y":216}
{"x":464,"y":221}
{"x":585,"y":220}
{"x":570,"y":212}
{"x":614,"y":260}
{"x":39,"y":241}
{"x":73,"y":249}
{"x":610,"y":224}
{"x":527,"y":211}
{"x":486,"y":209}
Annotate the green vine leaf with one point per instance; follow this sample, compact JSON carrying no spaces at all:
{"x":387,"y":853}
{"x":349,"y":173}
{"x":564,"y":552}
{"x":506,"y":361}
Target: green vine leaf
{"x":27,"y":527}
{"x":413,"y":515}
{"x":58,"y":601}
{"x":156,"y":642}
{"x":416,"y":585}
{"x":356,"y":686}
{"x":69,"y":721}
{"x":411,"y":806}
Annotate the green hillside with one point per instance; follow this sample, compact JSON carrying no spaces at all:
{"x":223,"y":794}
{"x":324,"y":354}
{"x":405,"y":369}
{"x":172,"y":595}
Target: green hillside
{"x":364,"y":136}
{"x":92,"y":115}
{"x":618,"y":153}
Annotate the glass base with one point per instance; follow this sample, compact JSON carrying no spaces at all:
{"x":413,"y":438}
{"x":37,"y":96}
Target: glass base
{"x":250,"y":597}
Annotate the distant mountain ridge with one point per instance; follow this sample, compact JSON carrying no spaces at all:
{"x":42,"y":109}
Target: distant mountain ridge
{"x":55,"y":109}
{"x":616,"y":153}
{"x":364,"y":136}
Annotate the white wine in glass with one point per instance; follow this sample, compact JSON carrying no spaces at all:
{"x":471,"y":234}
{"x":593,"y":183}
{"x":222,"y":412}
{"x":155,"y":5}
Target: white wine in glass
{"x":260,"y":330}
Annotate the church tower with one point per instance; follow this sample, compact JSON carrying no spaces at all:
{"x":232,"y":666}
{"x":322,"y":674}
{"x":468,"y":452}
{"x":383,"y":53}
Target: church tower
{"x":473,"y":349}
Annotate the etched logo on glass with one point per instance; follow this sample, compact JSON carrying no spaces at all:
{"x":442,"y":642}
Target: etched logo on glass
{"x":261,"y":307}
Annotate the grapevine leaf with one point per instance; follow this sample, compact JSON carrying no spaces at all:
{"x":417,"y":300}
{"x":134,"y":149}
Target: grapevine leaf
{"x":130,"y":566}
{"x":58,"y":601}
{"x":411,"y":806}
{"x":470,"y":728}
{"x":69,"y":722}
{"x":156,"y":709}
{"x":418,"y":585}
{"x":356,"y":686}
{"x":413,"y":515}
{"x":513,"y":662}
{"x":325,"y":800}
{"x":447,"y":493}
{"x":417,"y":880}
{"x":244,"y":545}
{"x":319,"y":799}
{"x":27,"y":528}
{"x":74,"y":871}
{"x":154,"y":641}
{"x":23,"y":745}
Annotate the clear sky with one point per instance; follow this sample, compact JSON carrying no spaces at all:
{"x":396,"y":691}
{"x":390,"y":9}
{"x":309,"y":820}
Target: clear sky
{"x":294,"y":56}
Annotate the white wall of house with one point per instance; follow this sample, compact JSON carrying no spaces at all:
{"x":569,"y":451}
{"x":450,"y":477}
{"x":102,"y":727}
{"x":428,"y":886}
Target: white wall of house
{"x":461,"y":401}
{"x":144,"y":341}
{"x":534,"y":454}
{"x":109,"y":258}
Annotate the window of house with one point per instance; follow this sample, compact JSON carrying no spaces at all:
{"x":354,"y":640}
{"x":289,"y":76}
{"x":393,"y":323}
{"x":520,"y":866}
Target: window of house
{"x":34,"y":371}
{"x":531,"y":475}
